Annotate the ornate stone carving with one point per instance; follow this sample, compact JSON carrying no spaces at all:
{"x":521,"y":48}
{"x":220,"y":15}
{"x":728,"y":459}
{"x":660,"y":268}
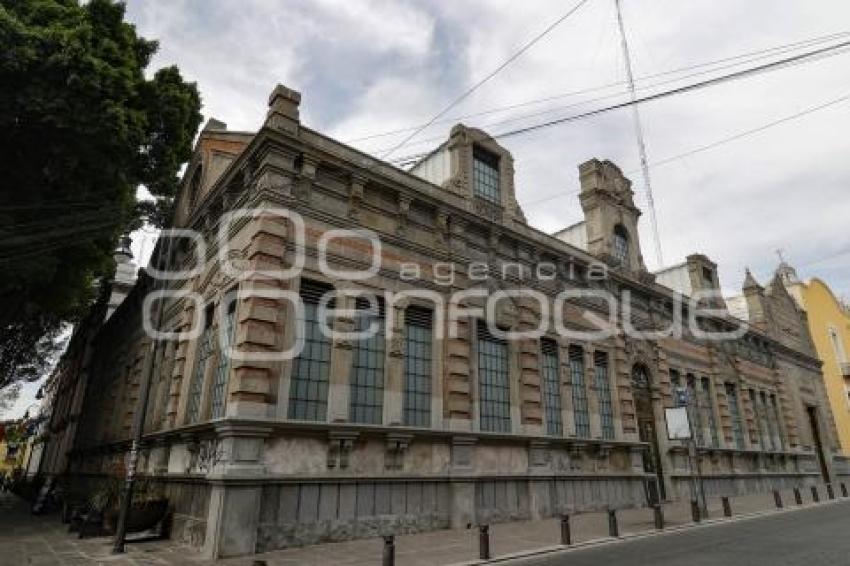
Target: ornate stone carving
{"x":403,"y":214}
{"x":396,"y":449}
{"x":340,"y":445}
{"x":486,"y":209}
{"x":275,"y":182}
{"x":355,"y":197}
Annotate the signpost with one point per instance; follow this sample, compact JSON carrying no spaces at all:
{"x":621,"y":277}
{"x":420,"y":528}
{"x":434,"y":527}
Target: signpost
{"x":680,"y":427}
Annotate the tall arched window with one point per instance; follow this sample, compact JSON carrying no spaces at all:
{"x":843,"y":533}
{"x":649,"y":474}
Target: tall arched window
{"x":621,"y":245}
{"x":195,"y":185}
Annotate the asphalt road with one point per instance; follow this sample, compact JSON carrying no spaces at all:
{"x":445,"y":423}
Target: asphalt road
{"x":814,"y":536}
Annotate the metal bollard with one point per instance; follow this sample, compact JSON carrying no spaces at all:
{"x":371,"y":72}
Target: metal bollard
{"x":389,"y":551}
{"x":777,"y":499}
{"x":727,"y":507}
{"x":566,"y":536}
{"x":815,"y":495}
{"x":829,"y":491}
{"x":695,"y":510}
{"x":613,"y":528}
{"x":843,"y":490}
{"x":484,"y":542}
{"x":658,"y":516}
{"x":798,"y":497}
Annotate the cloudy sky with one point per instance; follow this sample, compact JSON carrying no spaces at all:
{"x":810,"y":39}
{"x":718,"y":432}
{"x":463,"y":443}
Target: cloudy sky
{"x":368,"y":67}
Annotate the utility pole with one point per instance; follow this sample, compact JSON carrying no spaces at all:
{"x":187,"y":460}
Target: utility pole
{"x":691,"y":404}
{"x":141,"y":412}
{"x":644,"y":164}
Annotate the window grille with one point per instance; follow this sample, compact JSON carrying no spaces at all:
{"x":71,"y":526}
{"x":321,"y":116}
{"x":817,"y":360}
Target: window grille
{"x":735,"y":414}
{"x":767,"y":419}
{"x":308,"y":387}
{"x":776,"y":418}
{"x":621,"y":245}
{"x":760,"y":432}
{"x":206,"y":347}
{"x":708,"y":404}
{"x":580,"y":410}
{"x":675,"y":380}
{"x":695,"y":410}
{"x":493,"y":382}
{"x":222,"y":374}
{"x":603,"y":393}
{"x":367,"y":377}
{"x":485,"y":175}
{"x":418,"y":336}
{"x":551,"y":387}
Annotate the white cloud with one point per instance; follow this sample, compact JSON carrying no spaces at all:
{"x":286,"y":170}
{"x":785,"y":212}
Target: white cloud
{"x":366,"y":67}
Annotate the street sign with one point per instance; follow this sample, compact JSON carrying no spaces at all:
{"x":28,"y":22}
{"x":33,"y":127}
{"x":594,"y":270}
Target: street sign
{"x":678,"y":427}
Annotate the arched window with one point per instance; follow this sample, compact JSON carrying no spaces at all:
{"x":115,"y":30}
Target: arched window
{"x":640,"y":377}
{"x":195,"y":185}
{"x":621,"y":245}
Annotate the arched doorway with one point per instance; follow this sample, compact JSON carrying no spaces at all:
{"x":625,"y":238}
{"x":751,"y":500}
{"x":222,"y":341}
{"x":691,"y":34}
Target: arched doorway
{"x":645,"y":417}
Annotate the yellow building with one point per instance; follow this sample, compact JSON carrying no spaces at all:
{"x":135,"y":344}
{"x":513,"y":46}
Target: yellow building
{"x":829,"y":323}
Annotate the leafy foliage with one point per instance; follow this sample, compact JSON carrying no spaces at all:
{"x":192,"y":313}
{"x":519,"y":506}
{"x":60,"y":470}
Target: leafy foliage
{"x":81,"y":127}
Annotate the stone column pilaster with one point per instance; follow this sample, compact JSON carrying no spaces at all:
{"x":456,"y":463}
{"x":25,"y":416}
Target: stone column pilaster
{"x":234,"y":509}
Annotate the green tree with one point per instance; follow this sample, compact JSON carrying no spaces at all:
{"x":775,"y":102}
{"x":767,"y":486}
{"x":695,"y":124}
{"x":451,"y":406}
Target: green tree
{"x":81,"y":128}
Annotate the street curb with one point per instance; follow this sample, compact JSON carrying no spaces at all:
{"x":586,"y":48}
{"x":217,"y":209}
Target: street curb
{"x":562,"y":549}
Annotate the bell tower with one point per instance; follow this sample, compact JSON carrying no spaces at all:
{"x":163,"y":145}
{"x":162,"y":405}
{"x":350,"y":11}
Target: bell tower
{"x":611,"y":217}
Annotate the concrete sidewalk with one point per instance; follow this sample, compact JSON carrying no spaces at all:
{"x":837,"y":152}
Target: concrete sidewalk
{"x":461,"y":546}
{"x":25,"y":539}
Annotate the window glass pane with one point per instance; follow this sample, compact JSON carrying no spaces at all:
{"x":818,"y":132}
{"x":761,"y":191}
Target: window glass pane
{"x":775,"y":411}
{"x":735,"y":414}
{"x":417,"y":367}
{"x":756,"y":418}
{"x":675,"y":380}
{"x":603,"y":393}
{"x":621,"y":245}
{"x":308,"y":387}
{"x":708,"y":407}
{"x":222,"y":374}
{"x":485,"y":175}
{"x":493,"y":382}
{"x":769,"y":427}
{"x":551,"y":387}
{"x":580,"y":411}
{"x":206,"y":347}
{"x":367,"y":377}
{"x":695,"y":410}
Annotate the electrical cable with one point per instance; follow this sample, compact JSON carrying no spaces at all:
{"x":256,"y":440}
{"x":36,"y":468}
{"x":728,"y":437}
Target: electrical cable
{"x":714,"y":144}
{"x":748,"y":57}
{"x":489,"y":76}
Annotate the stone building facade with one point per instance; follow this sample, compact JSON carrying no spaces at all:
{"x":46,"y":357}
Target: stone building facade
{"x":436,"y":420}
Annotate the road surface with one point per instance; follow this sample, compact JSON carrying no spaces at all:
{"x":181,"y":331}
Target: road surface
{"x":815,"y":536}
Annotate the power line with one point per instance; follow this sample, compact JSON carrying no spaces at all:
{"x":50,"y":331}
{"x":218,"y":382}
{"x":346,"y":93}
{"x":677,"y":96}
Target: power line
{"x":714,"y":144}
{"x":746,"y":133}
{"x":489,"y":76}
{"x":415,"y":157}
{"x":745,"y":57}
{"x":825,"y":52}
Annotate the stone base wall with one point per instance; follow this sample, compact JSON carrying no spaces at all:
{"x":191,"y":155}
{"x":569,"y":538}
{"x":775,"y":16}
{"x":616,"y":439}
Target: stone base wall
{"x":299,"y":514}
{"x":189,"y":503}
{"x":310,"y":513}
{"x":732,"y":485}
